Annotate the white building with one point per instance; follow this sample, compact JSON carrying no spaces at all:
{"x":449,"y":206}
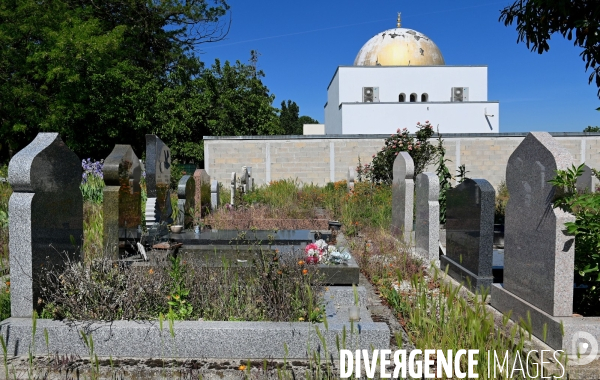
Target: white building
{"x":400,"y":78}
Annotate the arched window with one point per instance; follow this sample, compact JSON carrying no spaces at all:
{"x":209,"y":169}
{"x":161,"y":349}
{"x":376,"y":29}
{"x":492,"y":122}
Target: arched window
{"x":413,"y":97}
{"x":402,"y":98}
{"x":424,"y":97}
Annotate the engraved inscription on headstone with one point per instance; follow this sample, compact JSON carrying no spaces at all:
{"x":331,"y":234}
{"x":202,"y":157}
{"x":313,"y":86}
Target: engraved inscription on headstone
{"x":46,"y":216}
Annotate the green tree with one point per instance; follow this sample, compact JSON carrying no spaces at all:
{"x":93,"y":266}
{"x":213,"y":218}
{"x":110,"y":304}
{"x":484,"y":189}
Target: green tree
{"x":97,"y":71}
{"x":223,"y":100}
{"x":589,"y":128}
{"x":291,"y":123}
{"x":537,"y":20}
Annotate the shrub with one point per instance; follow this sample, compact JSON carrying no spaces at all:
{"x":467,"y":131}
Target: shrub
{"x":586,"y":228}
{"x":501,"y":200}
{"x":418,"y":146}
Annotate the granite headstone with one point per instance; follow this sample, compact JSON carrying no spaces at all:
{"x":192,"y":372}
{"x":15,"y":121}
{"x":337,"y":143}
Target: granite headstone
{"x":46,"y":216}
{"x":158,"y":178}
{"x":351,"y":178}
{"x":186,"y":192}
{"x":538,"y":252}
{"x":122,"y":206}
{"x":202,"y":197}
{"x":470,"y":233}
{"x":403,"y":186}
{"x":427,"y":221}
{"x":214,"y":194}
{"x":232,"y":186}
{"x":586,"y":182}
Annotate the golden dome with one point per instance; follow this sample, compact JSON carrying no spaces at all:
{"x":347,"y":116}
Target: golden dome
{"x":399,"y":47}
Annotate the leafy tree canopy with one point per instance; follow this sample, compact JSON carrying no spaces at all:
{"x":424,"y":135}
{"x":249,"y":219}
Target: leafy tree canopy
{"x":589,"y":128}
{"x":291,"y":123}
{"x":577,"y":20}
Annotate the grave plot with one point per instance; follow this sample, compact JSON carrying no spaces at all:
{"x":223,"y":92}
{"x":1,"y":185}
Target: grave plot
{"x":183,"y":339}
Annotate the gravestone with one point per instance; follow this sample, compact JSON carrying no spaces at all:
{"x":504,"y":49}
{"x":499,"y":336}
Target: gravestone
{"x":232,"y":188}
{"x":351,"y":178}
{"x":245,"y":180}
{"x":186,"y":192}
{"x":46,"y":216}
{"x":202,"y":197}
{"x":427,"y":222}
{"x":586,"y":182}
{"x":538,"y":252}
{"x":214,"y":194}
{"x":470,"y":233}
{"x":403,"y":195}
{"x":158,"y":180}
{"x":250,"y":178}
{"x":122,"y":204}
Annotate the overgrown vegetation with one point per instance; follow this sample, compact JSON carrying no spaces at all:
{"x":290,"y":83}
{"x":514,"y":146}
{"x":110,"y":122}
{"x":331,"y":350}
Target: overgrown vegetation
{"x":272,"y":288}
{"x":586,"y":228}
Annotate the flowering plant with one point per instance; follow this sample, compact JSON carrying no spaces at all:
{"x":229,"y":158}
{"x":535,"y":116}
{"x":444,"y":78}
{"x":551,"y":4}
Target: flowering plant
{"x":325,"y":252}
{"x":418,"y":147}
{"x":92,"y":180}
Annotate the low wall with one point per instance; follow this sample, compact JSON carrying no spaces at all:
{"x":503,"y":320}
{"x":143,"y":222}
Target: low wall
{"x":322,"y":159}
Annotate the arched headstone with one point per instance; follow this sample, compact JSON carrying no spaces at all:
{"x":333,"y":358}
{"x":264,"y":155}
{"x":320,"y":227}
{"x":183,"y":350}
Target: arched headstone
{"x":122,"y":197}
{"x":46,"y":216}
{"x":470,"y":233}
{"x":403,"y":187}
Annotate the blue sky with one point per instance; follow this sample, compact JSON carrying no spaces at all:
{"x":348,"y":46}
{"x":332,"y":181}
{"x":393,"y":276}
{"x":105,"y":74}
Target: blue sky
{"x":301,"y":43}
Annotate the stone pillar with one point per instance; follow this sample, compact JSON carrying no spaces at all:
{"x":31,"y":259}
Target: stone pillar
{"x":214,"y":194}
{"x":186,"y":192}
{"x":122,"y":206}
{"x":46,"y":216}
{"x":158,"y":180}
{"x":470,"y":233}
{"x":427,"y":221}
{"x":245,"y":180}
{"x":351,"y":178}
{"x":232,"y":188}
{"x":403,"y":196}
{"x":202,"y":197}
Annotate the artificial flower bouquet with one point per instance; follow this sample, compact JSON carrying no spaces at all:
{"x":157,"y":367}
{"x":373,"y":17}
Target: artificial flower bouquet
{"x":321,"y":252}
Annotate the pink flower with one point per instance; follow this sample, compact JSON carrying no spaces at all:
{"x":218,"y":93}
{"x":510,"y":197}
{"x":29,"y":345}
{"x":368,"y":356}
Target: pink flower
{"x":396,"y":153}
{"x":426,"y":121}
{"x":418,"y":123}
{"x":398,"y":131}
{"x":410,"y":147}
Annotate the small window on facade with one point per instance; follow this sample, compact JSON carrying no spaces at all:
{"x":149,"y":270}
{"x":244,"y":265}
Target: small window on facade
{"x":402,"y":98}
{"x":413,"y":98}
{"x":424,"y":97}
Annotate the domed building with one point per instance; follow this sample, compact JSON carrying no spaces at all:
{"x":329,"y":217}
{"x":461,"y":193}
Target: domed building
{"x":399,"y":78}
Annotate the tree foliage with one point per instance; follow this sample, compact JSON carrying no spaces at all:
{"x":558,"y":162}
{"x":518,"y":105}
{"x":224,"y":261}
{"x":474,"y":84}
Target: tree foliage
{"x":97,"y":72}
{"x":290,"y":121}
{"x":577,"y":20}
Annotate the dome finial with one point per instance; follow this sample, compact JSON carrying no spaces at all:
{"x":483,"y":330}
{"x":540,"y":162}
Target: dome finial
{"x":399,"y":22}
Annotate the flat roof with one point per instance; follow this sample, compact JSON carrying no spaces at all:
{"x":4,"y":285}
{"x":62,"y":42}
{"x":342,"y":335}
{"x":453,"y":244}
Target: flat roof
{"x":384,"y":136}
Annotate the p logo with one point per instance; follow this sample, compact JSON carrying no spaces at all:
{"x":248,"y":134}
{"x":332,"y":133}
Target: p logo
{"x":586,"y":347}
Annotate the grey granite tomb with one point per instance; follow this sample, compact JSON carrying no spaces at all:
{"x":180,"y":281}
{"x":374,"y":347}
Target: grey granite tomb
{"x":122,"y":206}
{"x":158,"y":180}
{"x":186,"y":192}
{"x":538,"y":253}
{"x":470,"y":233}
{"x":427,"y":221}
{"x":586,"y":182}
{"x":403,"y":195}
{"x":46,"y":216}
